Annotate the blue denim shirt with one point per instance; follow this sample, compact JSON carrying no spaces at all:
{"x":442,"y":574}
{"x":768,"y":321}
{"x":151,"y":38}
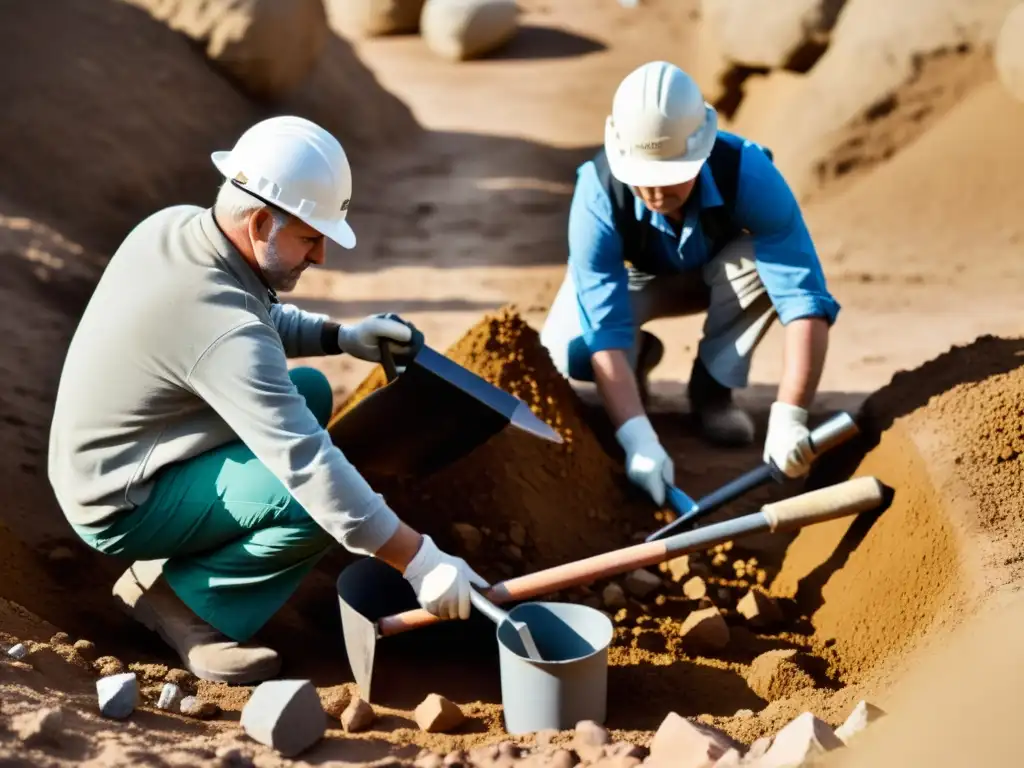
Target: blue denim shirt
{"x":765,"y":206}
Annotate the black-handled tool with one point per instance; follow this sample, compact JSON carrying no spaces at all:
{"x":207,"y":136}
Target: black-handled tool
{"x":824,"y":437}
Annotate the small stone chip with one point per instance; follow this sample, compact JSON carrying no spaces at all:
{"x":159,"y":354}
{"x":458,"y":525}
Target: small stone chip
{"x":118,"y":695}
{"x":682,"y":742}
{"x":614,"y":596}
{"x":678,"y":568}
{"x":862,"y":716}
{"x":695,"y":588}
{"x":641,"y":583}
{"x":517,"y":534}
{"x":190,"y":706}
{"x":801,"y":740}
{"x":435,"y":714}
{"x":17,"y":652}
{"x":705,"y":628}
{"x":170,"y":698}
{"x":358,"y":716}
{"x":759,"y":609}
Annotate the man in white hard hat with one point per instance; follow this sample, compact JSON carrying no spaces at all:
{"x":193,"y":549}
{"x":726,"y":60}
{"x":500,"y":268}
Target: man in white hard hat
{"x":180,"y":438}
{"x":673,"y":217}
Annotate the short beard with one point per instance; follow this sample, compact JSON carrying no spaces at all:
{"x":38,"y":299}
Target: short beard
{"x":281,"y":279}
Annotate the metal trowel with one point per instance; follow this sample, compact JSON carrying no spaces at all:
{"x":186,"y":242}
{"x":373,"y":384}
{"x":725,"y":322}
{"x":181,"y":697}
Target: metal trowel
{"x":437,"y":410}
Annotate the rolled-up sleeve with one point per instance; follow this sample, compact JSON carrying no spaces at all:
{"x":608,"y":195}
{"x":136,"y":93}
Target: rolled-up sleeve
{"x":243,"y":376}
{"x":787,"y":261}
{"x":597,"y":267}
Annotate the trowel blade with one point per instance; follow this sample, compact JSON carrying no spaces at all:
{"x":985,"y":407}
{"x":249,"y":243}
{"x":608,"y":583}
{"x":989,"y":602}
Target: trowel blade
{"x":525,"y":419}
{"x":526,"y":638}
{"x":360,"y":645}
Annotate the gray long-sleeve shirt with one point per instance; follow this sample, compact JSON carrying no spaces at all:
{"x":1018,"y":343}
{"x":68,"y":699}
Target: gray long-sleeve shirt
{"x":181,"y":350}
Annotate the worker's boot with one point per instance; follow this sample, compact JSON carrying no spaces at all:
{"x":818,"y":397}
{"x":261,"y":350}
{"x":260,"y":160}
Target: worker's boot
{"x":718,"y":419}
{"x":649,"y":354}
{"x":145,"y":596}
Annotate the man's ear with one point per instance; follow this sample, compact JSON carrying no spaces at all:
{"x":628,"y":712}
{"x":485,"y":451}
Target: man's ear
{"x":261,"y":224}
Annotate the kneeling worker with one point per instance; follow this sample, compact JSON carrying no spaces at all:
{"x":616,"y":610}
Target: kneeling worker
{"x":674,"y":217}
{"x":182,"y":440}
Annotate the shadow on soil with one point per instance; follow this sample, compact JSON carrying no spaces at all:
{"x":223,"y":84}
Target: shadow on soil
{"x":536,"y":42}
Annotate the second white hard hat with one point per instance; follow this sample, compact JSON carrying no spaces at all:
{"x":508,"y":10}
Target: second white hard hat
{"x":297,"y":166}
{"x":660,"y":131}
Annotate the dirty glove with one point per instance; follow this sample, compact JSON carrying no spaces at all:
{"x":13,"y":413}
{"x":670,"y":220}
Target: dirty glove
{"x":647,"y":464}
{"x":363,"y":339}
{"x":442,"y":581}
{"x":788,"y":444}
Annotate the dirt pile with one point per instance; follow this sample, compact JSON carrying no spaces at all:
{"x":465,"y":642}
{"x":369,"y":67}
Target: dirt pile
{"x":948,"y":438}
{"x":536,"y":504}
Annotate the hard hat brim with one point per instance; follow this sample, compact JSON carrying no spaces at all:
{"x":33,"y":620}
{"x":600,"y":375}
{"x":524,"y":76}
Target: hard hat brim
{"x":638,"y":172}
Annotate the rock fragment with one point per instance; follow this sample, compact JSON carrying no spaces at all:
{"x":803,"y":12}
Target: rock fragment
{"x":614,"y":596}
{"x":170,"y":698}
{"x":705,"y":629}
{"x":435,"y":714}
{"x":801,"y":740}
{"x":681,"y":742}
{"x":86,"y":649}
{"x":118,"y":695}
{"x":641,"y":583}
{"x":759,"y":609}
{"x":285,"y":715}
{"x":860,"y":718}
{"x":778,"y":674}
{"x":695,"y":588}
{"x":190,"y":706}
{"x":17,"y":651}
{"x":358,"y":716}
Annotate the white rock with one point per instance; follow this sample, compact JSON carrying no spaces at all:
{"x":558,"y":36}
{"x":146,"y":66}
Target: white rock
{"x":285,"y":715}
{"x":170,"y":698}
{"x":17,"y":652}
{"x":1009,"y":52}
{"x":801,"y":740}
{"x":118,"y":695}
{"x":468,"y":29}
{"x":862,"y":716}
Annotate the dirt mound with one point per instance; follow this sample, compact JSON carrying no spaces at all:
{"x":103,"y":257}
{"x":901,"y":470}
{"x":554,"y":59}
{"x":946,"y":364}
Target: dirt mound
{"x":571,"y":500}
{"x":948,"y":437}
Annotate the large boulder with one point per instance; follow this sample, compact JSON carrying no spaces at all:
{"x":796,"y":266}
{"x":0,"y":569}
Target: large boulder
{"x":468,"y":29}
{"x":267,"y":46}
{"x":1009,"y":54}
{"x":778,"y":34}
{"x":372,"y":18}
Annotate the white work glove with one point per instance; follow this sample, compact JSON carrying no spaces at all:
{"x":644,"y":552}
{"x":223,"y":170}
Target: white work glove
{"x":442,"y":581}
{"x":788,"y":443}
{"x":362,"y":340}
{"x":647,"y":463}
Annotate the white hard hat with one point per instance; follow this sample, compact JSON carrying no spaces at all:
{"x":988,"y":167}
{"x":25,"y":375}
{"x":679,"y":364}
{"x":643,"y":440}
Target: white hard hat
{"x":661,"y":130}
{"x":297,"y":166}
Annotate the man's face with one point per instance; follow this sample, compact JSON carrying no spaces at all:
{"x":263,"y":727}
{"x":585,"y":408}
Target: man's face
{"x":284,"y":252}
{"x":666,"y":200}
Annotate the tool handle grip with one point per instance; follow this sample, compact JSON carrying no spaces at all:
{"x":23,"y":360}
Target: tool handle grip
{"x":486,"y":607}
{"x":848,"y":498}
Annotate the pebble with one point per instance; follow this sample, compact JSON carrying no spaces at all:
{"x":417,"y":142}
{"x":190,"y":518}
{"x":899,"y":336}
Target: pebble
{"x":334,"y":702}
{"x":170,"y":698}
{"x":759,"y":609}
{"x":435,"y":714}
{"x":17,"y":652}
{"x":614,"y":596}
{"x":190,"y":706}
{"x":695,"y":588}
{"x":641,"y":583}
{"x":39,"y":727}
{"x":285,"y":715}
{"x":678,"y":568}
{"x":705,"y":628}
{"x":681,"y":742}
{"x":358,"y":716}
{"x":118,"y":695}
{"x":801,"y":740}
{"x":86,"y":649}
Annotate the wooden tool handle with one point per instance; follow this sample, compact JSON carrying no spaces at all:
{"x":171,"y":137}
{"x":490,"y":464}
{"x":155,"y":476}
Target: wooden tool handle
{"x":543,"y":582}
{"x":847,"y":498}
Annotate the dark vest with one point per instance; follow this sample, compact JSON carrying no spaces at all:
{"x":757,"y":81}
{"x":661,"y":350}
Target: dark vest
{"x":718,"y":223}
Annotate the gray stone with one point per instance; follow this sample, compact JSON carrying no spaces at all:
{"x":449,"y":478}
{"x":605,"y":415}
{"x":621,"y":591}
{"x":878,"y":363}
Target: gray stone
{"x":118,"y":695}
{"x":170,"y":698}
{"x":285,"y":715}
{"x":641,"y":582}
{"x":17,"y":652}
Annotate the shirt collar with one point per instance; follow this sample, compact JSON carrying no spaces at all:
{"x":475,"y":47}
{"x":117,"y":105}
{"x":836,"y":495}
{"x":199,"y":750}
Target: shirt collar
{"x":233,"y":260}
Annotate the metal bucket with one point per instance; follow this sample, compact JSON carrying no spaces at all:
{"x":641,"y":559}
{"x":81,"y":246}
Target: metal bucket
{"x":571,"y":684}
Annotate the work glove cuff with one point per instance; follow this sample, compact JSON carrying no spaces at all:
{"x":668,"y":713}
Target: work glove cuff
{"x":426,"y":558}
{"x":784,"y":414}
{"x":635,"y":433}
